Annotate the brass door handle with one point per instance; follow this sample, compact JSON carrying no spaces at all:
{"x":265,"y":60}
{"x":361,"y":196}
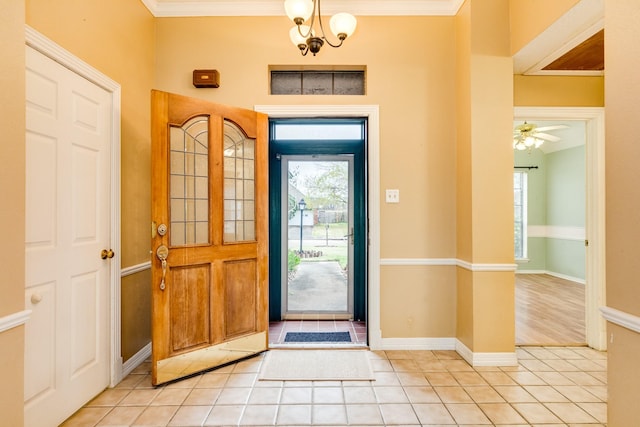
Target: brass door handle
{"x":162,"y":253}
{"x":107,"y":254}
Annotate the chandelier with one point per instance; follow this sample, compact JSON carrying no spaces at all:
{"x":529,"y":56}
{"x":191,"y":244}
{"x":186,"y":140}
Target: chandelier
{"x":306,"y":37}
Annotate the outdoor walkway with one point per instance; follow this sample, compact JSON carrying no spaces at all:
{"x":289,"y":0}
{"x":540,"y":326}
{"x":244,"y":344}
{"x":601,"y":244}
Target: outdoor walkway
{"x":318,"y":286}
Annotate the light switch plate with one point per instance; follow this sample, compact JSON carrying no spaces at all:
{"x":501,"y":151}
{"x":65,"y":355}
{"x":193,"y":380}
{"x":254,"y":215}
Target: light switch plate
{"x":393,"y":196}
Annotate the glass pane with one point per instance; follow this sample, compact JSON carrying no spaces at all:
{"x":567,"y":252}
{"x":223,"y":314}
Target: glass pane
{"x":348,"y":83}
{"x":286,"y":83}
{"x":249,"y":230}
{"x":239,"y":185}
{"x":189,"y":183}
{"x":318,"y":236}
{"x":333,"y":131}
{"x":229,"y":167}
{"x":178,"y":232}
{"x":248,"y":169}
{"x":249,"y":149}
{"x":317,"y":83}
{"x":229,"y":230}
{"x":249,"y":210}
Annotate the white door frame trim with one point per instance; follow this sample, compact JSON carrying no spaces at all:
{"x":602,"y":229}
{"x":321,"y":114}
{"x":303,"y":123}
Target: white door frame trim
{"x":596,"y":332}
{"x":57,"y":53}
{"x":371,"y":112}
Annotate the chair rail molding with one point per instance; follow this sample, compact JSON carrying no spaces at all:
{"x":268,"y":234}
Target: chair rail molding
{"x":13,"y":320}
{"x":448,"y":261}
{"x":133,"y":269}
{"x":621,"y":318}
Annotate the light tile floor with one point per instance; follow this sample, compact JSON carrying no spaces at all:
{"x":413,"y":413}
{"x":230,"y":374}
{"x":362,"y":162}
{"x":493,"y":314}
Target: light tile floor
{"x":551,"y":386}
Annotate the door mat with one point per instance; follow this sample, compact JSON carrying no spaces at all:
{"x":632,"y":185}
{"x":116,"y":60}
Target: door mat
{"x":316,"y":365}
{"x":317,"y":337}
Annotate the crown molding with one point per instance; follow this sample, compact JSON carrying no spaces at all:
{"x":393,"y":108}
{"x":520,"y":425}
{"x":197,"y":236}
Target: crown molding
{"x":186,"y":8}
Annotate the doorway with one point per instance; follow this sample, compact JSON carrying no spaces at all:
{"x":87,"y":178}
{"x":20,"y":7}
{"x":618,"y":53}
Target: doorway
{"x":594,"y":288}
{"x":318,"y":211}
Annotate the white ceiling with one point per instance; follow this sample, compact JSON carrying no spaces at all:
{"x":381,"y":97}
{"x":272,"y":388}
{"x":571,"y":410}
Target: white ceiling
{"x":169,"y":8}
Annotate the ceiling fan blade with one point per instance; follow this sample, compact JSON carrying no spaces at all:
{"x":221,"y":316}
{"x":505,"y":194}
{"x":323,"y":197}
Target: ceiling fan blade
{"x":546,"y":128}
{"x":546,"y":136}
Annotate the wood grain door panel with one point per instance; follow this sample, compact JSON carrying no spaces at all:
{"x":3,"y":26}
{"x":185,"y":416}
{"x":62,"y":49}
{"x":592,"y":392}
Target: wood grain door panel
{"x":190,"y":326}
{"x":241,"y":296}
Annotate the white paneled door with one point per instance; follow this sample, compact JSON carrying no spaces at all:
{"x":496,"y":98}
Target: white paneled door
{"x":67,"y":240}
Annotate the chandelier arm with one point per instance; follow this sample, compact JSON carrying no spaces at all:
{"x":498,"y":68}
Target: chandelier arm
{"x":306,"y":36}
{"x":324,"y":37}
{"x":333,"y":45}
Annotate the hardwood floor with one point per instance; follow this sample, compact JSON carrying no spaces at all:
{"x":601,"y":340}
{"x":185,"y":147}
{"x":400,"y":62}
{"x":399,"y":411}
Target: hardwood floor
{"x":549,"y":311}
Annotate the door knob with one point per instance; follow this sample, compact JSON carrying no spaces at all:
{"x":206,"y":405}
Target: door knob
{"x":107,"y":254}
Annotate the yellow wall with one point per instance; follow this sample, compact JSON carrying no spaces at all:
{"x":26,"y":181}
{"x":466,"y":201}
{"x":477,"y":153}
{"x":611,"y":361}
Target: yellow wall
{"x":531,"y":17}
{"x":12,"y":186}
{"x":431,"y":309}
{"x":410,"y":75}
{"x":622,"y":153}
{"x":135,"y":312}
{"x":558,"y":91}
{"x":117,"y":38}
{"x":484,"y":176}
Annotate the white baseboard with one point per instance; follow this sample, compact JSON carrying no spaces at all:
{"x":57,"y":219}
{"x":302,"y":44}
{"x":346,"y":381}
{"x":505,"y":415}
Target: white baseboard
{"x":474,"y":359}
{"x":134,"y":361}
{"x":531,"y":271}
{"x":418,"y":344}
{"x":566,"y":277}
{"x":486,"y":359}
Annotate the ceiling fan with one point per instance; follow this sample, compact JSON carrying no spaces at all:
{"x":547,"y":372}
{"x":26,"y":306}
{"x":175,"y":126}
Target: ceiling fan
{"x":528,"y":135}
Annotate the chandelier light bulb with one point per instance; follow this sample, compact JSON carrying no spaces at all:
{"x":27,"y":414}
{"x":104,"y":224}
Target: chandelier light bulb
{"x":300,"y":34}
{"x":343,"y":24}
{"x":298,"y":10}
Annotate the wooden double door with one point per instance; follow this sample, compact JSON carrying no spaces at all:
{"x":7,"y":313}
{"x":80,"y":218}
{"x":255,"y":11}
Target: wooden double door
{"x":209,"y":235}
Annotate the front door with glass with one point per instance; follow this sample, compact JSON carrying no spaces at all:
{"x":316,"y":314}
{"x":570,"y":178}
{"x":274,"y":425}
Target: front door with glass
{"x":210,"y":240}
{"x":317,"y":218}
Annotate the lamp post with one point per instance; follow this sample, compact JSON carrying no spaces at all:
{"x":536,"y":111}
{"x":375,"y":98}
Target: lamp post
{"x":301,"y":206}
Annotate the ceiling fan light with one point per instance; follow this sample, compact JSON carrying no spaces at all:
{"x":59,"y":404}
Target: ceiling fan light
{"x":538,"y":142}
{"x":529,"y":141}
{"x":343,"y":24}
{"x":520,"y":146}
{"x":298,"y":9}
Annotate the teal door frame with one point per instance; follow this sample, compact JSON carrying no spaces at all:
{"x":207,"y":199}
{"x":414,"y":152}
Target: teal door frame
{"x":356,"y":147}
